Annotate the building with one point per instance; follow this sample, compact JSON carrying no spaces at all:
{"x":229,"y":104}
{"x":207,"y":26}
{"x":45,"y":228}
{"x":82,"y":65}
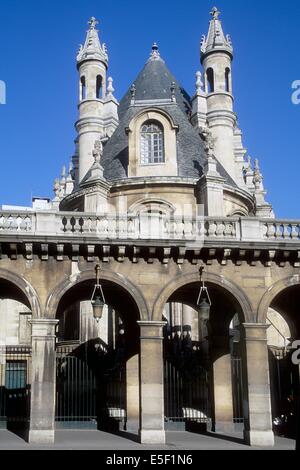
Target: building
{"x":160,"y":186}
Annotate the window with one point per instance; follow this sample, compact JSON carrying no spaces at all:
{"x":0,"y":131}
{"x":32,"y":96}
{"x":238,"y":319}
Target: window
{"x":210,"y":80}
{"x":152,"y":143}
{"x":82,"y":89}
{"x":99,"y":89}
{"x":227,"y":80}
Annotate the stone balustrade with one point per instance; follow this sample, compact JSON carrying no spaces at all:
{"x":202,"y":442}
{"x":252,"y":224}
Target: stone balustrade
{"x":148,"y":227}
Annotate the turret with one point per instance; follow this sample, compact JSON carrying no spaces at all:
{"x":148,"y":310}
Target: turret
{"x":98,"y":109}
{"x":216,"y":58}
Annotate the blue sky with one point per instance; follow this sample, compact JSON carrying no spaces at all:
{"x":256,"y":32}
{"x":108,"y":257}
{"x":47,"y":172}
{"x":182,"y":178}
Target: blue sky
{"x":39,"y":41}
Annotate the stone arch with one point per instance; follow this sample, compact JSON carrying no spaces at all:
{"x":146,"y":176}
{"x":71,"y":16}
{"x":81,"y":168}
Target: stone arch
{"x":180,"y":281}
{"x":61,"y":289}
{"x":272,"y":292}
{"x":26,"y":288}
{"x":148,"y":202}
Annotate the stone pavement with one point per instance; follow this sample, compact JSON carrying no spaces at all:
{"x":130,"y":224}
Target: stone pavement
{"x":98,"y":440}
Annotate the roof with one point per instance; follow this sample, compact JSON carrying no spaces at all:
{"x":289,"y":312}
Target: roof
{"x":154,"y":83}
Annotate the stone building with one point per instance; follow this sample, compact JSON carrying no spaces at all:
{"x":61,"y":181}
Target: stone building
{"x":160,"y":186}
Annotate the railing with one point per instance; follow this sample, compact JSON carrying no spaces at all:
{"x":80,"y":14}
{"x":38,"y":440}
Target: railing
{"x":148,"y":227}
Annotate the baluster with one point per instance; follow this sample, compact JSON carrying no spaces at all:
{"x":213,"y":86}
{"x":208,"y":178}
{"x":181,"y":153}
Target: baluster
{"x":295,"y":231}
{"x":112,"y":228}
{"x":188,"y":228}
{"x":286,"y":230}
{"x":271,"y":230}
{"x":23,"y":226}
{"x":68,"y":226}
{"x":220,"y":229}
{"x":212,"y":227}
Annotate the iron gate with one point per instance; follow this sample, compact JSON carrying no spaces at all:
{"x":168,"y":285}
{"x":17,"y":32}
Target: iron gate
{"x":237,"y":390}
{"x":14,"y":387}
{"x":186,"y":394}
{"x":90,"y":389}
{"x":186,"y":384}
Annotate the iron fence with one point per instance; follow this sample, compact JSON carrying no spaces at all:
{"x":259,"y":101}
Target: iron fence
{"x":14,"y":385}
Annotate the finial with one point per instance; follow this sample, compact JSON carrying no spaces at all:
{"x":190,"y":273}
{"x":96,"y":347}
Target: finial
{"x":257,"y":176}
{"x":173,"y":89}
{"x":56,"y":188}
{"x":132,"y":92}
{"x":215,"y":13}
{"x":110,"y":88}
{"x":155,"y":52}
{"x":199,"y":83}
{"x":93,"y":23}
{"x":64,"y":172}
{"x":70,"y":172}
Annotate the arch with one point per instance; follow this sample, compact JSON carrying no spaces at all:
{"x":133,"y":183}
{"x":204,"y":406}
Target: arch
{"x":148,"y":202}
{"x":83,"y":90}
{"x":210,"y":79}
{"x":272,"y":293}
{"x":21,"y":284}
{"x":99,"y":87}
{"x":151,"y":114}
{"x":228,"y":80}
{"x":181,"y":281}
{"x":61,"y":289}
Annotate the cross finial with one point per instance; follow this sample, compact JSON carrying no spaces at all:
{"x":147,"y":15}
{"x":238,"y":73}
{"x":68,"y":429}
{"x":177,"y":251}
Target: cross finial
{"x":155,"y":52}
{"x":215,"y":13}
{"x":93,"y":23}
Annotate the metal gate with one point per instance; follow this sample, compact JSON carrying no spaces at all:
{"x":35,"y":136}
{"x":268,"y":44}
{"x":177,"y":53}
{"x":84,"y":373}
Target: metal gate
{"x":186,"y":394}
{"x":186,"y":383}
{"x":237,"y":390}
{"x":14,"y":387}
{"x":91,"y":386}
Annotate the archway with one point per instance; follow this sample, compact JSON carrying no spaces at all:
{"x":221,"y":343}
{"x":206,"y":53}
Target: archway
{"x":199,"y":357}
{"x":18,"y":303}
{"x":284,"y":321}
{"x":94,"y":362}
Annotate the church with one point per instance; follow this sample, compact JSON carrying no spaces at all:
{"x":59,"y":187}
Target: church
{"x":157,"y":290}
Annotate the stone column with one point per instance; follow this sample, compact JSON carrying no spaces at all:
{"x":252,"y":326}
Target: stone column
{"x":222,"y":385}
{"x":257,"y":400}
{"x":43,"y":381}
{"x":151,"y":383}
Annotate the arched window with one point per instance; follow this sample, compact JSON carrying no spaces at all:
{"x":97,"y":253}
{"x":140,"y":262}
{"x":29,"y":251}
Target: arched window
{"x":152,"y":143}
{"x":99,"y":88}
{"x":210,"y":80}
{"x":227,"y":80}
{"x":82,"y":89}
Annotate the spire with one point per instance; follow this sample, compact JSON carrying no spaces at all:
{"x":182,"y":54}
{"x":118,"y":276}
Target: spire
{"x":216,"y":39}
{"x":92,"y":49}
{"x":155,"y":55}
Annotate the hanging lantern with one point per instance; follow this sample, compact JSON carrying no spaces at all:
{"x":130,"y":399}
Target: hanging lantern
{"x":98,"y":300}
{"x":203,"y":302}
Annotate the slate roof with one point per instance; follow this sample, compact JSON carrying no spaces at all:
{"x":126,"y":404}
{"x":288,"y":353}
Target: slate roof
{"x":154,"y":83}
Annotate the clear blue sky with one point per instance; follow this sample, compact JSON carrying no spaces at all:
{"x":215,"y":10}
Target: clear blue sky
{"x":39,"y":41}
